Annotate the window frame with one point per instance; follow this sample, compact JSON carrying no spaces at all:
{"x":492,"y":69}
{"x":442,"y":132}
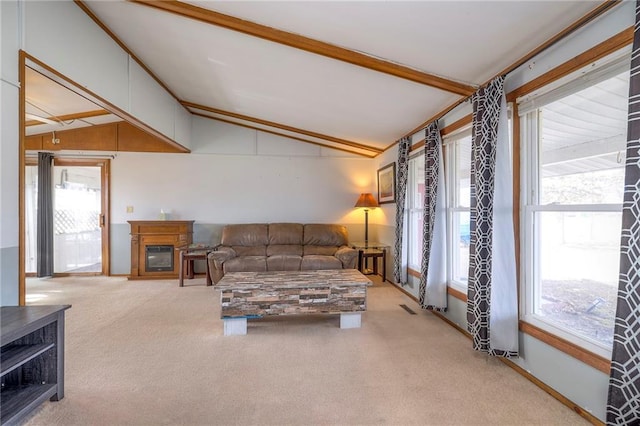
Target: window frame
{"x":450,"y":144}
{"x":411,"y":233}
{"x":530,"y":207}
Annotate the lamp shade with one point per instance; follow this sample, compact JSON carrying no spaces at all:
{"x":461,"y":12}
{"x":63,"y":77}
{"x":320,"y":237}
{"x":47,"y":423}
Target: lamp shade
{"x":366,"y":200}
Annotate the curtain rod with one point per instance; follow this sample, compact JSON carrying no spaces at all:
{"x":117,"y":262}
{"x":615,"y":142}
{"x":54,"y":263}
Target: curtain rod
{"x":596,"y":12}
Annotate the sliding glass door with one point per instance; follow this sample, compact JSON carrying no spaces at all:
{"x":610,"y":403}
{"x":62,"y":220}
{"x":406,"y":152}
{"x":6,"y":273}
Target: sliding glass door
{"x":79,"y":222}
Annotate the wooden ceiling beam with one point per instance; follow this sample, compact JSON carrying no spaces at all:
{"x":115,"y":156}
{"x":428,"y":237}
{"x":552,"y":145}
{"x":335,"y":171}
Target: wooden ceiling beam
{"x":285,"y":127}
{"x":309,"y":45}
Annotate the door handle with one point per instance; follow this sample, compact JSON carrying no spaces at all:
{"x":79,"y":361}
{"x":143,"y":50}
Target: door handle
{"x":102,"y":221}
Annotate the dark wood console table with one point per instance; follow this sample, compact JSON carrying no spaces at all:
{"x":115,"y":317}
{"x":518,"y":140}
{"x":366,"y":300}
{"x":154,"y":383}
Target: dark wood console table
{"x":31,"y":358}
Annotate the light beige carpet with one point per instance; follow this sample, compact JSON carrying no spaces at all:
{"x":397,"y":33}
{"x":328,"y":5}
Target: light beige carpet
{"x":152,"y":353}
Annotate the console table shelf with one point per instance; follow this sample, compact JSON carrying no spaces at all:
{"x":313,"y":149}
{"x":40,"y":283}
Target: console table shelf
{"x":13,"y":356}
{"x":31,"y":359}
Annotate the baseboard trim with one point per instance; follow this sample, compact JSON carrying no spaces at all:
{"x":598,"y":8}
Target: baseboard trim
{"x":557,"y":395}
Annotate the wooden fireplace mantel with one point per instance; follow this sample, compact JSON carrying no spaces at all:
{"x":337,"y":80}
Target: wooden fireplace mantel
{"x":144,"y":233}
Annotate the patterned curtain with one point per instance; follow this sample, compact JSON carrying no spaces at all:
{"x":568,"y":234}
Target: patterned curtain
{"x":433,"y":279}
{"x":44,"y":242}
{"x":623,"y":405}
{"x":400,"y":262}
{"x":492,"y":301}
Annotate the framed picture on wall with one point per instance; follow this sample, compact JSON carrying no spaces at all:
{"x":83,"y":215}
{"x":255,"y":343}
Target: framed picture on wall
{"x":387,"y":184}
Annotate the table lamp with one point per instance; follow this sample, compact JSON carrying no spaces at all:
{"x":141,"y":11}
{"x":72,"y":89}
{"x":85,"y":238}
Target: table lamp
{"x":367,"y":201}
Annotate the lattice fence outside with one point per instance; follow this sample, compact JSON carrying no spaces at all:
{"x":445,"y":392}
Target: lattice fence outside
{"x":70,"y":222}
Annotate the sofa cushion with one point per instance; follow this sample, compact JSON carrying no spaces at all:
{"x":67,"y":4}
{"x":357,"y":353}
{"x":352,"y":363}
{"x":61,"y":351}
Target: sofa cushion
{"x":250,"y":250}
{"x":316,"y":261}
{"x":246,"y":264}
{"x":320,"y":234}
{"x":250,"y":234}
{"x":322,"y":250}
{"x":285,"y":233}
{"x":290,"y":249}
{"x":283,"y":263}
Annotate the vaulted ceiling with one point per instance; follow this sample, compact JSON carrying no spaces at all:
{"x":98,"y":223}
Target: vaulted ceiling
{"x":356,"y":75}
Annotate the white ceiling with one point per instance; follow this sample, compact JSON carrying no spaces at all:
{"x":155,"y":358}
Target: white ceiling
{"x":464,"y":41}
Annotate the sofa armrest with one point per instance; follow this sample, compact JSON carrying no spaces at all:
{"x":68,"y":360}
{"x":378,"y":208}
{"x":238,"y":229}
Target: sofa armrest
{"x":348,"y":256}
{"x":216,"y":261}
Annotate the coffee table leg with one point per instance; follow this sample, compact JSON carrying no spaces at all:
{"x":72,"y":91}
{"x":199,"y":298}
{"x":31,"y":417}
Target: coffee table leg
{"x":350,"y":319}
{"x":235,"y":326}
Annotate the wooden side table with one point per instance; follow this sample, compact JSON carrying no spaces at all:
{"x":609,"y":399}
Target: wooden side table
{"x":375,"y":254}
{"x":188,"y":254}
{"x":371,"y":250}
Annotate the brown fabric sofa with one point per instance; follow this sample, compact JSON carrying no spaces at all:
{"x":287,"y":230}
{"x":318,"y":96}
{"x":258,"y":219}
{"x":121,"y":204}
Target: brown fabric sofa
{"x":261,"y":247}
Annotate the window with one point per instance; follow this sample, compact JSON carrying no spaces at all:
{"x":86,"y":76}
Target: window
{"x":415,"y":203}
{"x":573,"y":141}
{"x":458,"y":177}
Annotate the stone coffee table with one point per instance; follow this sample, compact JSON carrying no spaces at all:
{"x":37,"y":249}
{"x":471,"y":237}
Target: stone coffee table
{"x":257,"y":294}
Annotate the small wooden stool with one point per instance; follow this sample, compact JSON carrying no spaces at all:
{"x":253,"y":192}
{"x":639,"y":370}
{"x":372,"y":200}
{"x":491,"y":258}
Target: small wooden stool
{"x":186,"y":264}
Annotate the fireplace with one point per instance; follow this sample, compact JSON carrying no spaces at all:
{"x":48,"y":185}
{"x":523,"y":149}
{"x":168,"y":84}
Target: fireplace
{"x":153,"y":247}
{"x":158,"y":258}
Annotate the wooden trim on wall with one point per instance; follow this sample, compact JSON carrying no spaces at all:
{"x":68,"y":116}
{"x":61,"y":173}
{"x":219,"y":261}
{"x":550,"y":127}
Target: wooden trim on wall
{"x":465,"y":121}
{"x":416,"y":146}
{"x":106,"y":211}
{"x":280,"y":126}
{"x":22,"y":294}
{"x":414,"y":273}
{"x":457,"y":294}
{"x":596,"y":361}
{"x":118,"y":136}
{"x":307,"y":44}
{"x":599,"y":51}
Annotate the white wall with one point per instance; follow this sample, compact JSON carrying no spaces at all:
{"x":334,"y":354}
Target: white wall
{"x":9,"y":36}
{"x":234,"y":188}
{"x":253,"y":176}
